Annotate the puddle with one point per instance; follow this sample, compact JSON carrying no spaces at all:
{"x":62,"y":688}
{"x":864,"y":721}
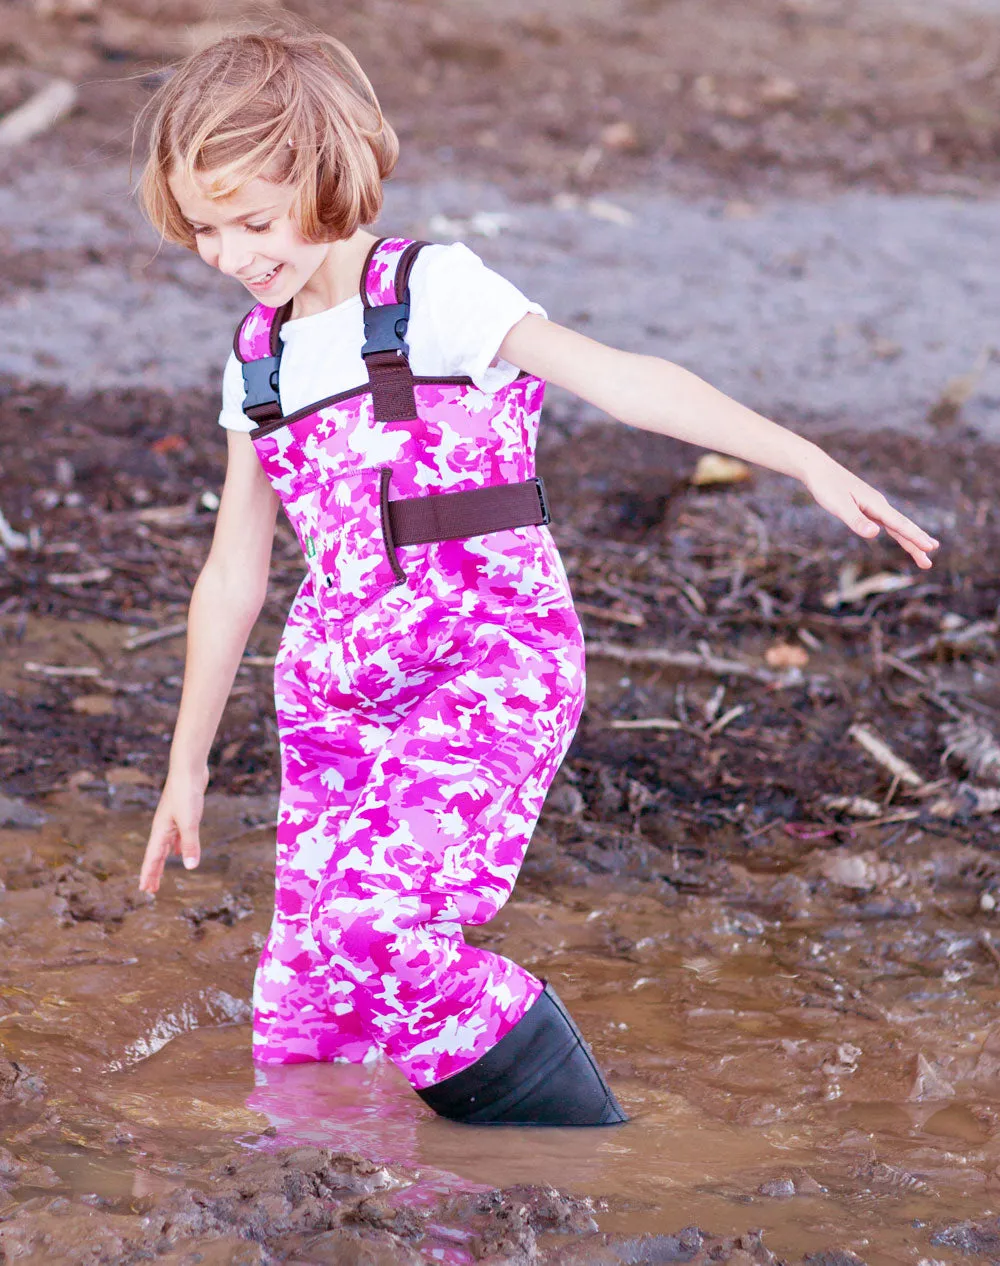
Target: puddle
{"x":791,"y":1063}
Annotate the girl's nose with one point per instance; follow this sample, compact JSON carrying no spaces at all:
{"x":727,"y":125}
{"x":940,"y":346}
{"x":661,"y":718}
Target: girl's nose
{"x":234,"y":255}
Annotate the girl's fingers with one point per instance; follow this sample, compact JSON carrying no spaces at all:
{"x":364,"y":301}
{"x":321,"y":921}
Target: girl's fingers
{"x":899,"y":526}
{"x":875,"y":511}
{"x":919,"y":556}
{"x":912,"y":539}
{"x":850,"y":511}
{"x":161,"y":842}
{"x":189,"y":846}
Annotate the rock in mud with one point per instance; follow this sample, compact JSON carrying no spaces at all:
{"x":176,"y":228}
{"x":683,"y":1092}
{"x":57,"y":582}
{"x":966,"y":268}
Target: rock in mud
{"x":508,"y":1220}
{"x":778,"y":1188}
{"x":408,"y":1224}
{"x":60,"y":1232}
{"x":692,"y":1245}
{"x":18,"y":815}
{"x":17,"y":1085}
{"x":981,"y":1238}
{"x":225,"y":1252}
{"x":247,"y":1201}
{"x":838,"y":1257}
{"x":16,"y":1172}
{"x":358,"y":1248}
{"x":86,"y":898}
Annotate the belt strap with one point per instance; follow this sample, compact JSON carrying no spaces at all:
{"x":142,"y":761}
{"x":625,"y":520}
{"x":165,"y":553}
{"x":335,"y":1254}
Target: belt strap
{"x":451,"y":516}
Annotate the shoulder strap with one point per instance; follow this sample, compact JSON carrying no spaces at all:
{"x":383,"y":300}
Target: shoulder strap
{"x":258,"y":348}
{"x":387,"y":270}
{"x":386,"y":295}
{"x":386,"y":298}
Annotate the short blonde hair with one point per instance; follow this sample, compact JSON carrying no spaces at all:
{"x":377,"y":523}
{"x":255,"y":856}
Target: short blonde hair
{"x":294,"y":109}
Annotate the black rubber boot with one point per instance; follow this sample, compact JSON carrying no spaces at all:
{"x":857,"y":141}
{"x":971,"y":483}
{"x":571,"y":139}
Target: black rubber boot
{"x":540,"y":1073}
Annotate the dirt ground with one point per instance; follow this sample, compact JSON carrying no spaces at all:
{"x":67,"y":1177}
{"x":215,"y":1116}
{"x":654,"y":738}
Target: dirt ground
{"x":779,"y":934}
{"x":600,"y":93}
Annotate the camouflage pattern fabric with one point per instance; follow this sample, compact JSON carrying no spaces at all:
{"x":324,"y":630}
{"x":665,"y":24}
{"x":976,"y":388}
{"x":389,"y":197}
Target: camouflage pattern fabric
{"x":421,"y":724}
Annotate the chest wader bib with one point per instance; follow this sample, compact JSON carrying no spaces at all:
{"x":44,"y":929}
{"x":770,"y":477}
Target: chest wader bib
{"x":427,"y":686}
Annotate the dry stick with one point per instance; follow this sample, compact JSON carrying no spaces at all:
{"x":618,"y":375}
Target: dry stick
{"x":10,"y":539}
{"x":881,"y":752}
{"x":661,"y":657}
{"x":953,"y":639}
{"x":979,"y":800}
{"x":96,"y":576}
{"x":60,"y":670}
{"x":906,"y":669}
{"x":891,"y":793}
{"x":607,"y":613}
{"x":38,"y":113}
{"x":647,"y":723}
{"x":155,"y":635}
{"x":900,"y":815}
{"x":718,"y":726}
{"x":966,"y":797}
{"x":856,"y":806}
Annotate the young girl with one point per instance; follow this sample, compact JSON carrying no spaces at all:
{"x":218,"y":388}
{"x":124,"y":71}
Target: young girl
{"x":430,"y":676}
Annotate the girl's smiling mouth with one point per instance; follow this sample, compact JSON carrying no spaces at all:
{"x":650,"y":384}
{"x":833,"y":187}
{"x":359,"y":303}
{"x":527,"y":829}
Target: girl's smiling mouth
{"x":263,"y":280}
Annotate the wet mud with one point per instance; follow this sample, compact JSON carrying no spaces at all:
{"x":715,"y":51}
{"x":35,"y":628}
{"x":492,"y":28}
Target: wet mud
{"x":783,"y":951}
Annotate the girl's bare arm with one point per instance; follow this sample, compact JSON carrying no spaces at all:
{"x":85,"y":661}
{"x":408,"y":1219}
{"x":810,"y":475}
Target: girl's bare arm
{"x":226,"y":601}
{"x":656,"y":395}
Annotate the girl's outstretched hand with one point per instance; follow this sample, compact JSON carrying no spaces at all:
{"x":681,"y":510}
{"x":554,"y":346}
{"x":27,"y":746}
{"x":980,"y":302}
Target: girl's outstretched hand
{"x":175,"y":827}
{"x":863,"y":508}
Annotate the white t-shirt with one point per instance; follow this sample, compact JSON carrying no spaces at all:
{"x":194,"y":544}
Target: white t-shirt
{"x":460,"y":313}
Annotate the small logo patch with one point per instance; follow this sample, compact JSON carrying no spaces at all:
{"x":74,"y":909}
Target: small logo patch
{"x":310,"y":547}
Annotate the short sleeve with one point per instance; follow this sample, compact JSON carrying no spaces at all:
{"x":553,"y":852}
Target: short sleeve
{"x":232,"y":416}
{"x":465,"y":310}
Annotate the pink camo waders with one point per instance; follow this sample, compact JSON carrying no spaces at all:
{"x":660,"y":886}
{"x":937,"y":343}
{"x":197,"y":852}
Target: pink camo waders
{"x":428,"y":683}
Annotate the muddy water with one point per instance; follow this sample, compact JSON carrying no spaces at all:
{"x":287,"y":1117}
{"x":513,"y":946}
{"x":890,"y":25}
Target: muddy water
{"x":806,"y":1037}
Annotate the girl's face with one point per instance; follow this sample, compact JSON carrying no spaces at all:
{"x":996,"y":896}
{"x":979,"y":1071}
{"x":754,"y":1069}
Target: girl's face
{"x":252,"y":236}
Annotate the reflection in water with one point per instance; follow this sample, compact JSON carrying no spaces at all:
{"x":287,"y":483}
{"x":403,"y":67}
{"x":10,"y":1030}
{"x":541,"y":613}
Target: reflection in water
{"x":372,"y":1110}
{"x":670,"y":1167}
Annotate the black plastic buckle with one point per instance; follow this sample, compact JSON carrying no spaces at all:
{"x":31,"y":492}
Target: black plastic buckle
{"x":543,"y":500}
{"x":385,"y":328}
{"x":260,"y":381}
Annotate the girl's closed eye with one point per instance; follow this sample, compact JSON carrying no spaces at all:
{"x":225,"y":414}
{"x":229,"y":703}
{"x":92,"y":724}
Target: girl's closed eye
{"x":259,"y":228}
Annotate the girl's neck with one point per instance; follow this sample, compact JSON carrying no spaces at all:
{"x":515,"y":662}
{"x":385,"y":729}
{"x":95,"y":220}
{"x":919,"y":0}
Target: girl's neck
{"x":338,"y":277}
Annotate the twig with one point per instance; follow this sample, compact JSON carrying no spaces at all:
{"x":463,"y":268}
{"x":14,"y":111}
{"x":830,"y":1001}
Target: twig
{"x":952,"y":639}
{"x":155,"y":635}
{"x":851,"y":589}
{"x":914,"y":673}
{"x":38,"y":113}
{"x":96,"y":576}
{"x":901,"y":815}
{"x":881,"y":752}
{"x":856,"y":806}
{"x":60,"y":670}
{"x":762,"y":829}
{"x":979,"y":801}
{"x":608,"y":613}
{"x":718,"y":726}
{"x":166,"y":516}
{"x":647,"y":723}
{"x":661,"y":657}
{"x":10,"y":539}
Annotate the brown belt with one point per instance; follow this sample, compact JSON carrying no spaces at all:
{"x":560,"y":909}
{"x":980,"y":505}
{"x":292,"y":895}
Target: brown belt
{"x":451,"y":516}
